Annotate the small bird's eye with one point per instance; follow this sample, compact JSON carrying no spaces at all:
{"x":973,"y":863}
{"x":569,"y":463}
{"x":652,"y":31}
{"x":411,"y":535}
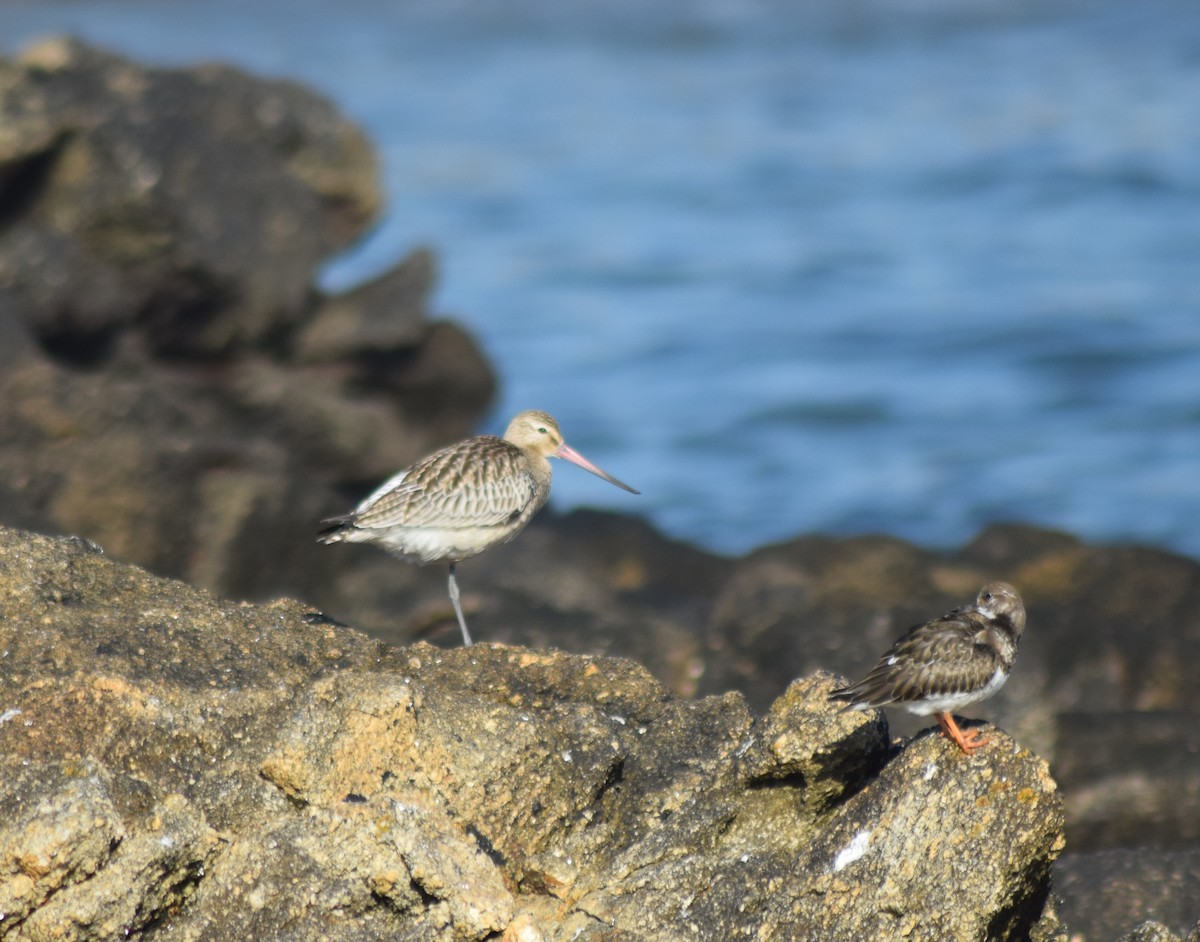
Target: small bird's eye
{"x":541,"y":431}
{"x":988,"y":596}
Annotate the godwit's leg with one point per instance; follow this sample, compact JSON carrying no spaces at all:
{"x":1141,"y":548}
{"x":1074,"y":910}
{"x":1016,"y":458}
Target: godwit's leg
{"x":454,"y":600}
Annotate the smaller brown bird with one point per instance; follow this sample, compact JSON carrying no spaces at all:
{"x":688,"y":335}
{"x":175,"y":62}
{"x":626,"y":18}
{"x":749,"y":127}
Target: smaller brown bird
{"x":947,"y":664}
{"x":463,"y":499}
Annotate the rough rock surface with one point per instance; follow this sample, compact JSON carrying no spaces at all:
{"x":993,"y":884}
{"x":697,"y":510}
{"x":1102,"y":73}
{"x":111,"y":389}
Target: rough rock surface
{"x":180,"y":767}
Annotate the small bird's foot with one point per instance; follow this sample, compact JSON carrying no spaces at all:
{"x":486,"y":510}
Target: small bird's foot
{"x":968,"y":741}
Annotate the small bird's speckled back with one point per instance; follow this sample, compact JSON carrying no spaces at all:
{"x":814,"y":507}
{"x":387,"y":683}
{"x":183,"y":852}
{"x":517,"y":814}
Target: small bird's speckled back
{"x":948,"y":663}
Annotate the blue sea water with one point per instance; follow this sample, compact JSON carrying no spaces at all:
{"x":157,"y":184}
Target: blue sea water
{"x":903,"y":266}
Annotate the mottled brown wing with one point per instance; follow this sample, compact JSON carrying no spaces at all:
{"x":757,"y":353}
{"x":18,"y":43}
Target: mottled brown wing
{"x":482,"y":482}
{"x":946,"y":656}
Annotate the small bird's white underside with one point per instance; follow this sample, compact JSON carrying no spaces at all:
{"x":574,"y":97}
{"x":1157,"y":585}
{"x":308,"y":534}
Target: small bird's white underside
{"x":424,"y":544}
{"x":946,"y":703}
{"x":950,"y":702}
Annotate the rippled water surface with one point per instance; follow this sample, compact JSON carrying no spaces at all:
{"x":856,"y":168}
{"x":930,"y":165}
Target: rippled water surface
{"x":906,"y":266}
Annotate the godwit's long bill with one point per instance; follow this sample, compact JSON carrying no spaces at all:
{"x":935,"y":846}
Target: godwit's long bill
{"x":463,"y":499}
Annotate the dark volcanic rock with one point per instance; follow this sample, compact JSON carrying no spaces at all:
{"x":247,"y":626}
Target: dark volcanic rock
{"x":186,"y":768}
{"x":171,"y":382}
{"x":385,"y":314}
{"x":193,"y":205}
{"x":793,"y":608}
{"x":1138,"y":885}
{"x":1133,"y":777}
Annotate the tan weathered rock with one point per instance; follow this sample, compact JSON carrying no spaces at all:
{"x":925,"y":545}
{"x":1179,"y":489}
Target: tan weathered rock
{"x":186,"y":768}
{"x":59,"y":828}
{"x":150,"y":874}
{"x":829,"y":752}
{"x":912,"y":854}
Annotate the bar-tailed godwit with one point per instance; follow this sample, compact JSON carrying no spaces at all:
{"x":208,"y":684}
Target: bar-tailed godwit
{"x":463,"y":499}
{"x":947,"y":664}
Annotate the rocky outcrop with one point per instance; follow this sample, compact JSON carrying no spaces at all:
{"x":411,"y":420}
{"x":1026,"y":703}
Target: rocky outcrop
{"x":171,"y":381}
{"x":185,"y":768}
{"x":189,"y":207}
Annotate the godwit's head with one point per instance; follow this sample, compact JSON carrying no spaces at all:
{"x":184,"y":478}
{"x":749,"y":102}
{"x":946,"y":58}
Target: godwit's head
{"x":537,"y":432}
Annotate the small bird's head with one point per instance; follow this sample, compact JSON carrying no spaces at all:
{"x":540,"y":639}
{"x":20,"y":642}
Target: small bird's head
{"x":1001,"y":600}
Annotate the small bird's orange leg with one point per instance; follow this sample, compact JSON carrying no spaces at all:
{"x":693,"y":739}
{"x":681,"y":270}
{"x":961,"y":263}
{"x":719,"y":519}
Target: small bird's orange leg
{"x":968,"y":742}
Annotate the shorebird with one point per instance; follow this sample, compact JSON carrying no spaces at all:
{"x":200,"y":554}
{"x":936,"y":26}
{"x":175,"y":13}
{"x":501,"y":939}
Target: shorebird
{"x":947,"y":664}
{"x":460,"y":500}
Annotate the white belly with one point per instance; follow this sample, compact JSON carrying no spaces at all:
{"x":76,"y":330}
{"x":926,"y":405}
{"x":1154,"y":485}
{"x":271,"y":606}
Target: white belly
{"x":428,"y":545}
{"x":951,"y":702}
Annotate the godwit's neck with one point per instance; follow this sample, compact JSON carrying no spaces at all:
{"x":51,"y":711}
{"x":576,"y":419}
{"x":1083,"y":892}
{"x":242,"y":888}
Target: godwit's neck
{"x":539,"y":466}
